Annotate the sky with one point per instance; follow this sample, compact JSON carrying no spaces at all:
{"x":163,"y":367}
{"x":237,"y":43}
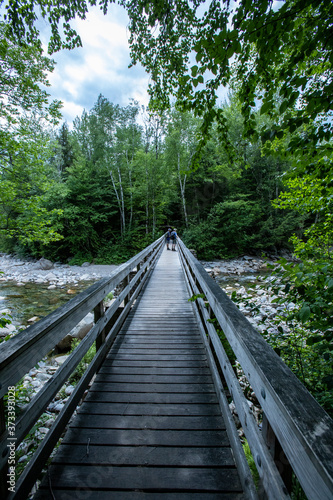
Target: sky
{"x":99,"y":67}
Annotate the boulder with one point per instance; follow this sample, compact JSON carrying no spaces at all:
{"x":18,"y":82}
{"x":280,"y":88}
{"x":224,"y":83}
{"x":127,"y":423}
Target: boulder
{"x":45,"y":264}
{"x":61,"y":359}
{"x":50,"y":277}
{"x":64,"y":344}
{"x":82,"y":328}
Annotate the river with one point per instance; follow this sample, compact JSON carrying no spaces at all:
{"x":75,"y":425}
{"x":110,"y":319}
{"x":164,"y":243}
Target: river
{"x":35,"y":300}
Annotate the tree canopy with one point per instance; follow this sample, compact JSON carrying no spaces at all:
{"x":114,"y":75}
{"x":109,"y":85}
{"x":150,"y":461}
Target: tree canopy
{"x":278,"y":55}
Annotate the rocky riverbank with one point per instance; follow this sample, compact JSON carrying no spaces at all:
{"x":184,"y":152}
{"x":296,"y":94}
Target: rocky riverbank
{"x":236,"y":267}
{"x":45,"y":271}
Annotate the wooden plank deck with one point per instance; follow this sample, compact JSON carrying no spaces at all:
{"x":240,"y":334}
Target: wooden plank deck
{"x":150,"y":426}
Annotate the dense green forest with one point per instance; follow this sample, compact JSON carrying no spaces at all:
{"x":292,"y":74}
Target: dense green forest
{"x":251,"y":175}
{"x":113,"y":183}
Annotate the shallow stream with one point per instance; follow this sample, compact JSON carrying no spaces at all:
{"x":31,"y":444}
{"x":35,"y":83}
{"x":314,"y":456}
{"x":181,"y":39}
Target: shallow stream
{"x":36,"y":300}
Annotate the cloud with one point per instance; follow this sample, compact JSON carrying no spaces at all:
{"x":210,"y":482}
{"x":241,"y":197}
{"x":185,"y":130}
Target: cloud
{"x":99,"y":67}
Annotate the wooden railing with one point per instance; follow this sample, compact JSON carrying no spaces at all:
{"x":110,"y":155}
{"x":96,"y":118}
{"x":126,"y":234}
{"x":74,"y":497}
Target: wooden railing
{"x":297,"y":434}
{"x":21,"y":353}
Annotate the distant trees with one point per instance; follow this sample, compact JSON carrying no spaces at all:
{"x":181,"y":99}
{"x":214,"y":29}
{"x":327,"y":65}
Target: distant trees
{"x":115,"y":181}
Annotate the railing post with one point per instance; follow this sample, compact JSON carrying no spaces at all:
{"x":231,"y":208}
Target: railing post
{"x":3,"y":472}
{"x":127,"y":298}
{"x":275,"y":448}
{"x":98,"y":313}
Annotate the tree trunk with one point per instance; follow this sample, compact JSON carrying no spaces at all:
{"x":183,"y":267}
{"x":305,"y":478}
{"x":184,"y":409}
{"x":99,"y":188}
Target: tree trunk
{"x":182,"y":192}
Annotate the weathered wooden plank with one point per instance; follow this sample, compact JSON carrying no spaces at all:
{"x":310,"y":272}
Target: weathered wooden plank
{"x":169,"y":456}
{"x":152,"y":409}
{"x":176,"y":422}
{"x":159,"y":337}
{"x":147,"y":437}
{"x":163,"y":348}
{"x":157,"y":357}
{"x":161,"y":370}
{"x":271,"y":479}
{"x":154,"y":378}
{"x":167,"y":363}
{"x":146,"y":478}
{"x":86,"y":494}
{"x":151,"y":397}
{"x":153,"y":387}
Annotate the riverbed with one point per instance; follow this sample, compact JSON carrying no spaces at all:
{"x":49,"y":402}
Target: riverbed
{"x":33,"y":300}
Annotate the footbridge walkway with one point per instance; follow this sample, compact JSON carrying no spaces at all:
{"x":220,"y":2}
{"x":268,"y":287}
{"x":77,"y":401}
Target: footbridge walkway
{"x":151,"y":412}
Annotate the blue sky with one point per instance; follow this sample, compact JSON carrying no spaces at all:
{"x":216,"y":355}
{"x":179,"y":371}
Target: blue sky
{"x":99,"y":67}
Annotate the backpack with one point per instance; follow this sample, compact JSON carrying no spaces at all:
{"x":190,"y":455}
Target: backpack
{"x":173,"y":235}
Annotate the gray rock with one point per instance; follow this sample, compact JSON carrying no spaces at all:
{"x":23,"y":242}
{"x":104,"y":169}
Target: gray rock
{"x":69,"y":390}
{"x":40,"y":280}
{"x":85,"y":264}
{"x":85,"y":277}
{"x":61,"y":359}
{"x":45,"y":264}
{"x":43,"y":430}
{"x":50,"y":277}
{"x":43,"y":377}
{"x":58,"y":407}
{"x":65,"y":343}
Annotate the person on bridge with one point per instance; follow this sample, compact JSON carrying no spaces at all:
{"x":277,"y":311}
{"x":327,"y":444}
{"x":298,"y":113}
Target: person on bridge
{"x":173,"y":238}
{"x":167,"y":239}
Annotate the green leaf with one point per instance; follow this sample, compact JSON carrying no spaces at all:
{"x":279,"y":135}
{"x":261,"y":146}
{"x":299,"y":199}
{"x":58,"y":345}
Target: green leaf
{"x":265,"y":107}
{"x":283,"y":106}
{"x":232,"y":35}
{"x":194,"y":70}
{"x":305,"y":313}
{"x":314,"y":339}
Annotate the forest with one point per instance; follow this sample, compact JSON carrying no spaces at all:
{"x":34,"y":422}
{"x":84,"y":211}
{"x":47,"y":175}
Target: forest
{"x":117,"y":180}
{"x":252,"y":175}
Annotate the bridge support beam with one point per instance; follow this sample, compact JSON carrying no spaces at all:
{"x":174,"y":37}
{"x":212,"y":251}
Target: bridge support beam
{"x":279,"y":457}
{"x":99,"y":311}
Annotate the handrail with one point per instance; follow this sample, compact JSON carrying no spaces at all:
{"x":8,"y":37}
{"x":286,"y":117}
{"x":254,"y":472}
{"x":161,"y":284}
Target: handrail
{"x":301,"y":426}
{"x":20,"y":353}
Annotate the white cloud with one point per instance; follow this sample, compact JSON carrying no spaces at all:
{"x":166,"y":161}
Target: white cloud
{"x":99,"y":67}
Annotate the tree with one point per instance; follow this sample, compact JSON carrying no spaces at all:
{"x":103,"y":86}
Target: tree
{"x":23,"y":69}
{"x":181,"y":143}
{"x":26,"y":176}
{"x":25,"y":145}
{"x":282,"y":58}
{"x":65,"y":150}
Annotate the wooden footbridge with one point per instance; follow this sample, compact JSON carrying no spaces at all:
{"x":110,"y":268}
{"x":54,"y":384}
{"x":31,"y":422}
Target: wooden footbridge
{"x":155,"y":422}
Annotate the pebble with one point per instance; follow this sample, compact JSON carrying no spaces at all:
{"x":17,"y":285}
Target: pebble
{"x":43,"y":430}
{"x":69,"y":390}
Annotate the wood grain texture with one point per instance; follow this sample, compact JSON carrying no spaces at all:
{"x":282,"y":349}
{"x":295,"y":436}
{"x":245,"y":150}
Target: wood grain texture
{"x":151,"y":425}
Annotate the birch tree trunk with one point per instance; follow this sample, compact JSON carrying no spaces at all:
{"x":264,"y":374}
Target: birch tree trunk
{"x":182,"y":191}
{"x":120,"y":201}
